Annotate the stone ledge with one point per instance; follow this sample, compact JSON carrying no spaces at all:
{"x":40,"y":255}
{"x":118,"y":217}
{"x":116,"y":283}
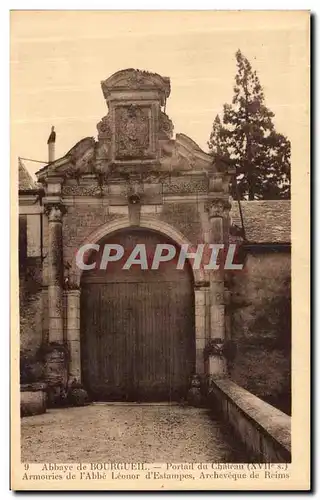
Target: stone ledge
{"x":33,"y":399}
{"x":273,"y":442}
{"x":33,"y":387}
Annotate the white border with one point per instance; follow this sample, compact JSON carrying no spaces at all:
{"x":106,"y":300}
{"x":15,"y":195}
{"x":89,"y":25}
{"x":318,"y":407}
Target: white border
{"x":5,"y":156}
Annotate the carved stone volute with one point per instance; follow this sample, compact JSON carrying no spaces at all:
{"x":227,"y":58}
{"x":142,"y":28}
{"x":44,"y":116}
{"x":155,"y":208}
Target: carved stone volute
{"x":55,"y":211}
{"x":218,"y":207}
{"x":165,"y":126}
{"x":105,"y":129}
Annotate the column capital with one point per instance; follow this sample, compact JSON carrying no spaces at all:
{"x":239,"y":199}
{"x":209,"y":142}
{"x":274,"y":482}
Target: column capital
{"x":217,"y":207}
{"x":55,"y":211}
{"x":214,"y":347}
{"x":202,"y":285}
{"x":194,"y":396}
{"x":71,"y":288}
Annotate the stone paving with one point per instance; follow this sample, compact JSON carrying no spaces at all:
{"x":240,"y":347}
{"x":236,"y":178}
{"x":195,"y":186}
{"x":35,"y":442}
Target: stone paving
{"x":106,"y":432}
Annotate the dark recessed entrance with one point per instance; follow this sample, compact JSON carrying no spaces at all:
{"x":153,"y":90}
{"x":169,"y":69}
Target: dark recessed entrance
{"x":137,"y":326}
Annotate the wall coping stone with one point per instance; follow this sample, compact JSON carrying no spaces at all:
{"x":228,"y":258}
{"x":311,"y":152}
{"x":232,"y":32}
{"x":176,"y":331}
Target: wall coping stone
{"x":272,"y":421}
{"x":33,"y":387}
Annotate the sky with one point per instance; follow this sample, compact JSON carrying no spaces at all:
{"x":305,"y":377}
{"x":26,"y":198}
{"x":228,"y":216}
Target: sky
{"x":58,"y":59}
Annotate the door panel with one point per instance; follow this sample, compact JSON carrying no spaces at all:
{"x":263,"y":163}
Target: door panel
{"x":137,"y":330}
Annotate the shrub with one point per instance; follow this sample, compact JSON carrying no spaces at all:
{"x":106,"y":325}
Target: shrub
{"x":78,"y":397}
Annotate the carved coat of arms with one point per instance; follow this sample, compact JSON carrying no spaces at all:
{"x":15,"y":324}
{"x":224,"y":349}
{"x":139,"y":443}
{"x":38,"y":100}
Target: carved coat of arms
{"x":132,"y":129}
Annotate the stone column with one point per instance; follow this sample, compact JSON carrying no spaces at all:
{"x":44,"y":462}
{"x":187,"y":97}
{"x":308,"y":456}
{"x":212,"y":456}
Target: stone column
{"x":217,"y":361}
{"x":56,"y":354}
{"x":55,"y":212}
{"x":73,"y":333}
{"x":200,"y":326}
{"x":217,"y":365}
{"x":198,"y":382}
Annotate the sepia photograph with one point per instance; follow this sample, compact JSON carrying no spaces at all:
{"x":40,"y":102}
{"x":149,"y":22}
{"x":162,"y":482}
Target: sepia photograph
{"x":153,"y":173}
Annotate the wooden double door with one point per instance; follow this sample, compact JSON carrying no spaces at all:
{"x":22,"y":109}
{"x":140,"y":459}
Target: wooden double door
{"x":137,"y":327}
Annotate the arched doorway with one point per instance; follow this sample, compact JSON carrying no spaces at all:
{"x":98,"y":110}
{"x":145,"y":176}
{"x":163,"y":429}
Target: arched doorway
{"x":137,"y":325}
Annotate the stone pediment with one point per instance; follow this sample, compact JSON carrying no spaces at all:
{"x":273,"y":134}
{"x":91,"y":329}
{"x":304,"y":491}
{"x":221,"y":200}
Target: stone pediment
{"x":89,"y":157}
{"x":77,"y":162}
{"x":135,"y":137}
{"x":130,"y":79}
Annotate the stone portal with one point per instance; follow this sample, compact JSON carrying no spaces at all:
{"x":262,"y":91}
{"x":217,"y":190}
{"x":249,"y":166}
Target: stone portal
{"x":136,"y":176}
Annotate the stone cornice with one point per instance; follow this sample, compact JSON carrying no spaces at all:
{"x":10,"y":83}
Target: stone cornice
{"x":135,"y":80}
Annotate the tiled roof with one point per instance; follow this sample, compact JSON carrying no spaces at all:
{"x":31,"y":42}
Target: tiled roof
{"x":25,"y":179}
{"x":265,"y":221}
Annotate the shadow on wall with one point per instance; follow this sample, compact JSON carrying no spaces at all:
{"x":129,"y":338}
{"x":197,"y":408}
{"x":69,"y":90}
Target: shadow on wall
{"x":30,"y":303}
{"x":261,"y":328}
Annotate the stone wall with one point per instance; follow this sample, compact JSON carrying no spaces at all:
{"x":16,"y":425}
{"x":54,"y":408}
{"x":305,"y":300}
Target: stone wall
{"x":30,"y":284}
{"x":30,"y":297}
{"x":186,"y":217}
{"x":261,"y":327}
{"x":264,"y":430}
{"x":81,"y":219}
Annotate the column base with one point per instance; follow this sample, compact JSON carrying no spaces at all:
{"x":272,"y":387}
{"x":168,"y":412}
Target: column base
{"x":56,"y":368}
{"x":194,"y":396}
{"x":217,"y":367}
{"x":77,"y":395}
{"x":56,"y":396}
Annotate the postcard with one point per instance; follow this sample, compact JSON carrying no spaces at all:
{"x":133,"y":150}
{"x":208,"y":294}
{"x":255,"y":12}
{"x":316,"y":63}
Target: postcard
{"x":160,"y":169}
